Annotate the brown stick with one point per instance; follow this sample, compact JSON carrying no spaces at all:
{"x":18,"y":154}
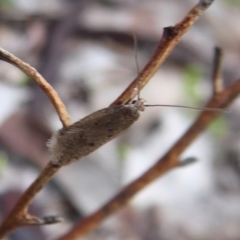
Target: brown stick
{"x":42,"y":83}
{"x":17,"y":216}
{"x":216,"y":74}
{"x":166,"y":163}
{"x":170,"y":38}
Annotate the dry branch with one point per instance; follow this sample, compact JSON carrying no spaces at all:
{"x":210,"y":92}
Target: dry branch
{"x":168,"y":162}
{"x":19,"y":215}
{"x":42,"y":83}
{"x":171,"y":37}
{"x":216,"y":74}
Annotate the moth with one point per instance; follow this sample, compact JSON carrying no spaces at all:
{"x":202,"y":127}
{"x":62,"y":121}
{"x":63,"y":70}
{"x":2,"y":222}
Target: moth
{"x":72,"y":143}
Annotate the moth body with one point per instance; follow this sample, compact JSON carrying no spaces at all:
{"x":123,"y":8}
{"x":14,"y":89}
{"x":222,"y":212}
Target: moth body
{"x":88,"y":134}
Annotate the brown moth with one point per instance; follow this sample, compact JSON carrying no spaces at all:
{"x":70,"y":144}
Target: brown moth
{"x":71,"y":143}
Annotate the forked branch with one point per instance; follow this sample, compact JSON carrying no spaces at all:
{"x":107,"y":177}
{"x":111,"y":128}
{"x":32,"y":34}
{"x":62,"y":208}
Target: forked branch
{"x":168,"y":162}
{"x":19,"y":215}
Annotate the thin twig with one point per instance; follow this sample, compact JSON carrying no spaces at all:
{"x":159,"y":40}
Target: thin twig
{"x":42,"y":83}
{"x":28,"y":219}
{"x":170,"y":38}
{"x":216,"y":74}
{"x":17,"y":216}
{"x":187,"y":161}
{"x":166,"y":163}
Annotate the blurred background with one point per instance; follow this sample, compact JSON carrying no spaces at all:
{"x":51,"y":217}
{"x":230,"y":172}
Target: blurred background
{"x":85,"y":50}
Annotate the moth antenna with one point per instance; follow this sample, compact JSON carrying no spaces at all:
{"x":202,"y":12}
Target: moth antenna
{"x":187,"y":107}
{"x":135,"y":42}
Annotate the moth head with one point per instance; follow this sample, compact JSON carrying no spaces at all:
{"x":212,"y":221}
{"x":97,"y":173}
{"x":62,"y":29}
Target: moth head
{"x":139,"y":104}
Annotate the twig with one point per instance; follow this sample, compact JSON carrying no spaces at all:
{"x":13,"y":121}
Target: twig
{"x":33,"y":220}
{"x":19,"y":216}
{"x":42,"y":83}
{"x":166,"y":163}
{"x":216,"y":74}
{"x":170,"y":38}
{"x":187,"y":161}
{"x":52,"y":53}
{"x":220,"y":99}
